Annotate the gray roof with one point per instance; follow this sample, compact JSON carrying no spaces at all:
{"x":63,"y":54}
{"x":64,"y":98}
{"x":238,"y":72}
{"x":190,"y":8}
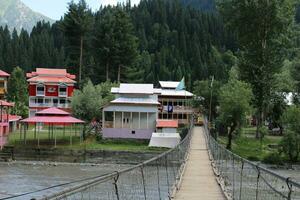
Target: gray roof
{"x":182,"y":93}
{"x":125,"y":100}
{"x":128,"y":88}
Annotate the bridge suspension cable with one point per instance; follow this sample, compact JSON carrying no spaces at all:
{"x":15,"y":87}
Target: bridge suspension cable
{"x":242,"y":179}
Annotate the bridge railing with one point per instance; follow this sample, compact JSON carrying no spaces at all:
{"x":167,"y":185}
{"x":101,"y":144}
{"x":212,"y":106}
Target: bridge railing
{"x":157,"y":178}
{"x":242,"y":179}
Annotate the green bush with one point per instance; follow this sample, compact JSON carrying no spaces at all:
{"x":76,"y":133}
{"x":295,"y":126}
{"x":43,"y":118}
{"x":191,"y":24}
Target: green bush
{"x":273,"y":158}
{"x":291,"y":145}
{"x":253,"y":158}
{"x":263,"y":131}
{"x":98,"y":137}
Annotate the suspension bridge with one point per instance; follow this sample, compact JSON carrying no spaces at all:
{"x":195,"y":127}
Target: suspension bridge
{"x":198,"y":168}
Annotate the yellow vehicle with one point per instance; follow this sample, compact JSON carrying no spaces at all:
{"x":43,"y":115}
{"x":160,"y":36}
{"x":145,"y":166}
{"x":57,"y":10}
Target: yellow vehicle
{"x":198,"y":120}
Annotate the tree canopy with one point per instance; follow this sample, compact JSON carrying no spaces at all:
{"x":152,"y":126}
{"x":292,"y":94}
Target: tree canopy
{"x":18,"y":92}
{"x":235,"y":98}
{"x":263,"y":32}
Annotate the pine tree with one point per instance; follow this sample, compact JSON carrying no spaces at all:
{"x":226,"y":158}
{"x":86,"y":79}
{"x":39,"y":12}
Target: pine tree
{"x":18,"y":92}
{"x":76,"y":24}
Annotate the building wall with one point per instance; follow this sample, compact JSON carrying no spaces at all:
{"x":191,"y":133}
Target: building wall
{"x":169,"y":130}
{"x":32,"y":90}
{"x":51,"y":90}
{"x":127,"y":133}
{"x":134,"y":122}
{"x":70,"y":91}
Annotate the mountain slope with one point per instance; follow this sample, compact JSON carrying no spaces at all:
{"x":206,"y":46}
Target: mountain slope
{"x":16,"y":14}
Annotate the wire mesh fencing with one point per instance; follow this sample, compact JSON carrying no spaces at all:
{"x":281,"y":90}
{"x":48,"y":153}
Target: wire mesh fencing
{"x":242,"y":179}
{"x":154,"y":179}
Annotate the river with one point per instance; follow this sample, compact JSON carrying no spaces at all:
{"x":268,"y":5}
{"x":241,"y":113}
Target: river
{"x":22,"y":177}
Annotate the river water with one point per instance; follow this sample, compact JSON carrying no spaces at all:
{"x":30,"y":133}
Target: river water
{"x":22,"y":177}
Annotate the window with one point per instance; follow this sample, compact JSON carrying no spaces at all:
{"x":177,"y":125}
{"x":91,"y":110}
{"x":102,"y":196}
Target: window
{"x":62,"y":101}
{"x":40,"y":89}
{"x":39,"y":101}
{"x":175,"y":103}
{"x":1,"y":84}
{"x":55,"y":101}
{"x":48,"y":101}
{"x":63,"y":90}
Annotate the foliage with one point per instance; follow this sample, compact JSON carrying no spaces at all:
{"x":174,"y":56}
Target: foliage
{"x":202,"y":89}
{"x":291,"y":118}
{"x":76,"y":25}
{"x":273,"y":158}
{"x":291,"y":145}
{"x":263,"y":29}
{"x":235,"y":97}
{"x":247,"y":146}
{"x":295,"y":72}
{"x":291,"y":140}
{"x":18,"y":92}
{"x":174,"y":41}
{"x":263,"y":131}
{"x":87,"y":103}
{"x":115,"y":41}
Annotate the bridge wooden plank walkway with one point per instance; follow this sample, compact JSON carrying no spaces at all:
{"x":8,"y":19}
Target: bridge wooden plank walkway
{"x":198,"y":180}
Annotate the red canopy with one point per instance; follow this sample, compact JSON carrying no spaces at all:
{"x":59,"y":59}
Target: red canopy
{"x":53,"y":120}
{"x":3,"y":74}
{"x":4,"y":103}
{"x":53,"y":116}
{"x":52,"y":111}
{"x":167,"y":123}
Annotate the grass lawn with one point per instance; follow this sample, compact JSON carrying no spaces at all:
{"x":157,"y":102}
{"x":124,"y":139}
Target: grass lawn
{"x":247,"y":146}
{"x":63,"y":141}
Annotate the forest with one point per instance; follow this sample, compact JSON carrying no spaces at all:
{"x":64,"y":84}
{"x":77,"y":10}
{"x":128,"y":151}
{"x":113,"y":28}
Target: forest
{"x":168,"y":41}
{"x":242,"y":62}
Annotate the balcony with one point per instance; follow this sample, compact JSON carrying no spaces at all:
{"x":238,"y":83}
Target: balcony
{"x":179,"y":109}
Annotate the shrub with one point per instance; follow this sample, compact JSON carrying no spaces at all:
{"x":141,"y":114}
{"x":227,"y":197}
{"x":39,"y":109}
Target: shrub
{"x":273,"y":158}
{"x":291,"y":145}
{"x":253,"y":158}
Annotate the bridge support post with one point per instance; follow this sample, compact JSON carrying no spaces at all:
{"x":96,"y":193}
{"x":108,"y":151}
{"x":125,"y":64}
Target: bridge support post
{"x":241,"y":180}
{"x":158,"y":181}
{"x":257,"y":183}
{"x":143,"y":180}
{"x":116,"y":186}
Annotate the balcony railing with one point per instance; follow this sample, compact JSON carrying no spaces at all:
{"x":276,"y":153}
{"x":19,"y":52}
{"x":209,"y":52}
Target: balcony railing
{"x":179,"y":109}
{"x":59,"y":105}
{"x":62,"y":94}
{"x":40,"y":93}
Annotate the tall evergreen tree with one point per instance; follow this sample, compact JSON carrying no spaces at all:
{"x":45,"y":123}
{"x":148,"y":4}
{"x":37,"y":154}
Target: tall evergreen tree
{"x":18,"y":92}
{"x":76,"y":25}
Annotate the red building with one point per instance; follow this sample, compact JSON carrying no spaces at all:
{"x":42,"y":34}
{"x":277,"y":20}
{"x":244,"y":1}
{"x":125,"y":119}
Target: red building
{"x":50,"y":88}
